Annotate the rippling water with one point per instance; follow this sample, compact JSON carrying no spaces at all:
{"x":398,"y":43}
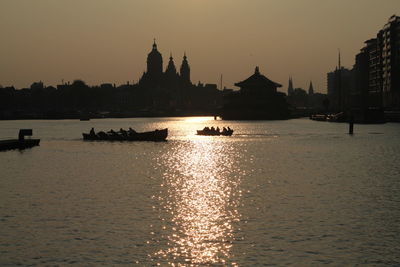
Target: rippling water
{"x":275,"y":193}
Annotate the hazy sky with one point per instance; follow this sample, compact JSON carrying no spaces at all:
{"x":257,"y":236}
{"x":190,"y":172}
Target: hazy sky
{"x":108,"y":40}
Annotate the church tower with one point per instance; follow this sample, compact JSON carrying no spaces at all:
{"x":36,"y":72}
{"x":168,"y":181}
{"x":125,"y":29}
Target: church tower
{"x":154,"y":62}
{"x":171,"y":70}
{"x":290,"y":87}
{"x":171,"y":77}
{"x":185,"y":70}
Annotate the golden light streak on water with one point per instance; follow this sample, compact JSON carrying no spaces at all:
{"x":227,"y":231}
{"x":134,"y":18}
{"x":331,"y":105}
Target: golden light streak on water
{"x":198,"y":119}
{"x":201,"y":199}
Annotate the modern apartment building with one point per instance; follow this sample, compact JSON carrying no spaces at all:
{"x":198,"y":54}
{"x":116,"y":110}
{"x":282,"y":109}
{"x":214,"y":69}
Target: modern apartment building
{"x":389,"y":46}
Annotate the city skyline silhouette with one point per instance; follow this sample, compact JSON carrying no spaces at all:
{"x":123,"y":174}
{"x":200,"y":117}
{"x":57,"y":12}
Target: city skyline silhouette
{"x":100,"y":42}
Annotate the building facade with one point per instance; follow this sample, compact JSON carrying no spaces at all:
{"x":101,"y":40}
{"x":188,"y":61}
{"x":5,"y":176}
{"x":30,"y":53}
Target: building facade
{"x":374,"y":81}
{"x":389,"y":44}
{"x":340,"y":84}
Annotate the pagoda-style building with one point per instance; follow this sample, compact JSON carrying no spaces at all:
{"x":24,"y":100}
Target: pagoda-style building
{"x":257,"y":84}
{"x":257,"y":99}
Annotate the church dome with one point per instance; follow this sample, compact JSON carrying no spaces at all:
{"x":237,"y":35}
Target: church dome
{"x":154,"y":61}
{"x":154,"y":54}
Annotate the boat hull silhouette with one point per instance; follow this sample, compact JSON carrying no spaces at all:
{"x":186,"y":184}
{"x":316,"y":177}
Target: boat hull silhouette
{"x":157,"y":135}
{"x":18,"y":144}
{"x":214,"y":133}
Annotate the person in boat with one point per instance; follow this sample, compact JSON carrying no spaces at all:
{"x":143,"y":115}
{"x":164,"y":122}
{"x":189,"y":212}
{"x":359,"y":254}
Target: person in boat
{"x":92,"y":132}
{"x":123,"y":132}
{"x":112,"y":132}
{"x":102,"y":134}
{"x":224,"y":130}
{"x":212,"y":129}
{"x":217,"y":129}
{"x":131,"y":131}
{"x":229,"y":129}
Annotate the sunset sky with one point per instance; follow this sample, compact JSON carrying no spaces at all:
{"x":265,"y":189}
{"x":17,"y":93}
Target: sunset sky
{"x":102,"y":41}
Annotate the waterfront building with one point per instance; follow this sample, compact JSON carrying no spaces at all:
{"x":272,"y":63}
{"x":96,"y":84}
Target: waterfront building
{"x":374,"y":96}
{"x":257,"y":84}
{"x":367,"y":90}
{"x":339,"y":83}
{"x":377,"y":70}
{"x":257,"y":99}
{"x":389,"y":42}
{"x":298,"y":99}
{"x":302,"y":102}
{"x":330,"y":84}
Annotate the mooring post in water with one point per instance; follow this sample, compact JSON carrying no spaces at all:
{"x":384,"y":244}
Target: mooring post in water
{"x":351,"y":124}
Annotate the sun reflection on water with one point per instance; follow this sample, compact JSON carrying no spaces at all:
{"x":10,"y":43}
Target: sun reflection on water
{"x":198,"y":119}
{"x":201,"y":198}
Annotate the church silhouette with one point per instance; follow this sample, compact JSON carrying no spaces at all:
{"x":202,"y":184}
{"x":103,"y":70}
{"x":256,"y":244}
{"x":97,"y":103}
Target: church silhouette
{"x":173,"y":90}
{"x":155,"y":77}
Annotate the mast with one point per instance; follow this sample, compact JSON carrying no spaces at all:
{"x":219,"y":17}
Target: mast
{"x":339,"y":77}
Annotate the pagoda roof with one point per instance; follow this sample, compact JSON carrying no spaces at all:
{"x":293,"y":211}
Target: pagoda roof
{"x":257,"y":79}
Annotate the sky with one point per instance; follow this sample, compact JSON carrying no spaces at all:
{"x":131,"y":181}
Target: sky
{"x":107,"y":41}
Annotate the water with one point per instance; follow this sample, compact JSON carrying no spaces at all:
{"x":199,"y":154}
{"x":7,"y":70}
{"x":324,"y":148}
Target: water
{"x":294,"y":192}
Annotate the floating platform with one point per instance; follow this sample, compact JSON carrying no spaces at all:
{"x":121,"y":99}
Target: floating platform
{"x":21,"y":142}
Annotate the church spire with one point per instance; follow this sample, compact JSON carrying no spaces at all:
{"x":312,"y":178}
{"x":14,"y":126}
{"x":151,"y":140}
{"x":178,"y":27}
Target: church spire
{"x":154,"y":44}
{"x":311,"y":89}
{"x":290,"y":87}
